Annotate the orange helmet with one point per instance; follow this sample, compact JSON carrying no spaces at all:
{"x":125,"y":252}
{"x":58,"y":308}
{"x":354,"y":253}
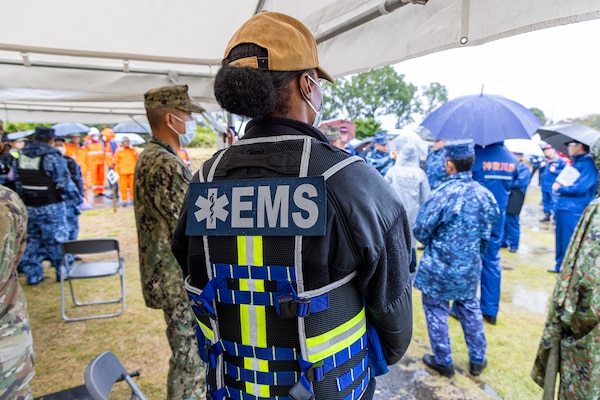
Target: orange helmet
{"x":108,"y":134}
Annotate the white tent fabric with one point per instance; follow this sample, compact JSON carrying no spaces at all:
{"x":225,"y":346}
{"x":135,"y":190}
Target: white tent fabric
{"x":91,"y":61}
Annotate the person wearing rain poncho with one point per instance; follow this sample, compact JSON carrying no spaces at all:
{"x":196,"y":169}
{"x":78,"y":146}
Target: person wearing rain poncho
{"x":410,"y":183}
{"x":570,"y":343}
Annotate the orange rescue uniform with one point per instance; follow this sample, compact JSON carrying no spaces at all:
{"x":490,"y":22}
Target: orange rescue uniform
{"x":96,"y":158}
{"x":125,"y":159}
{"x":184,"y":155}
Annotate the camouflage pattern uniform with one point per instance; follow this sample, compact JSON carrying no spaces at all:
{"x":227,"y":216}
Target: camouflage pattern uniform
{"x":573,"y":321}
{"x":160,"y":182}
{"x":16,"y":350}
{"x":435,"y":169}
{"x":47,"y":224}
{"x":455,"y":225}
{"x":380,"y":160}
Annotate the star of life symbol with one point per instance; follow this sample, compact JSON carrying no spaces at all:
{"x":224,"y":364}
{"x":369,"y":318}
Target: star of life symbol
{"x":211,"y":208}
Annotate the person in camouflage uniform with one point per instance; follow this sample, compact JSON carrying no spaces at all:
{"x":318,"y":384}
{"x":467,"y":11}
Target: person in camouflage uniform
{"x":573,"y":321}
{"x":16,"y":349}
{"x":161,"y":180}
{"x":434,"y":164}
{"x":379,"y":157}
{"x":455,"y":225}
{"x":73,"y":209}
{"x":43,"y":181}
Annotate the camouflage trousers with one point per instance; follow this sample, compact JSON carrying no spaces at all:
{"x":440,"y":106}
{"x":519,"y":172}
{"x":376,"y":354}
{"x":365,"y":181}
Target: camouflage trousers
{"x":46,"y":229}
{"x":471,"y":320}
{"x":15,"y":375}
{"x":187,"y":372}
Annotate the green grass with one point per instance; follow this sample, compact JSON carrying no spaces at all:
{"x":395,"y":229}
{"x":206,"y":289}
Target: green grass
{"x":138,"y":337}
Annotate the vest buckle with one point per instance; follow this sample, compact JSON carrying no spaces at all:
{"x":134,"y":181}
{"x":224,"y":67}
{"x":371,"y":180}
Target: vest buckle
{"x":292,"y":308}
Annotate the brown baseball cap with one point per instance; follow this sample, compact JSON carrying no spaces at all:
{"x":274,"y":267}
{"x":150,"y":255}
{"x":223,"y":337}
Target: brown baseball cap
{"x":175,"y":96}
{"x":289,"y":43}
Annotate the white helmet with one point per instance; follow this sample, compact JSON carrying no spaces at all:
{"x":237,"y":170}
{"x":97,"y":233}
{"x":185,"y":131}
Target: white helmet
{"x":94,"y":131}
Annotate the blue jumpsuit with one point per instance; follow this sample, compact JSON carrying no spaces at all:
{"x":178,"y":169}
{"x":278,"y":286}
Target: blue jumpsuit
{"x":46,"y":223}
{"x":435,"y":168}
{"x":494,"y":168}
{"x":548,"y":173}
{"x":572,"y":200}
{"x":455,"y":225}
{"x":512,"y":226}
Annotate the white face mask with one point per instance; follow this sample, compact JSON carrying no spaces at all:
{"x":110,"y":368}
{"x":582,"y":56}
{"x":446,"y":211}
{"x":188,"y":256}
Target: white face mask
{"x":317,"y":120}
{"x":189,"y":134}
{"x":62,"y":150}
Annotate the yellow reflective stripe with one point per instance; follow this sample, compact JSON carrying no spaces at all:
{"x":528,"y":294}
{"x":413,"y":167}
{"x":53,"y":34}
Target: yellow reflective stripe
{"x":337,"y":339}
{"x":206,"y":330}
{"x":253,"y":320}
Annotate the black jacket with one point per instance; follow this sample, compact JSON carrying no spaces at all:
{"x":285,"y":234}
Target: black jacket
{"x":367,"y":227}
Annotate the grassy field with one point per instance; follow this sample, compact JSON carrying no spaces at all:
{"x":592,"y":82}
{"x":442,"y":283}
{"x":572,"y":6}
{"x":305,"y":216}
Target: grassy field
{"x":138,"y":337}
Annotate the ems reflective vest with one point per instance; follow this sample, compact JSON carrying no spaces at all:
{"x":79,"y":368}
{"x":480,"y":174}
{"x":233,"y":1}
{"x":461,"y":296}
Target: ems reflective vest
{"x":38,"y":188}
{"x":262,"y":335}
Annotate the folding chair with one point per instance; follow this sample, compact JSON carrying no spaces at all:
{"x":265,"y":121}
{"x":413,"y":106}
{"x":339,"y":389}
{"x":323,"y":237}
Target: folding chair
{"x":112,"y":264}
{"x":103,"y":372}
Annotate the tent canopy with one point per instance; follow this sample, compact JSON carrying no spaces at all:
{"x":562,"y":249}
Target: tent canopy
{"x":91,"y":61}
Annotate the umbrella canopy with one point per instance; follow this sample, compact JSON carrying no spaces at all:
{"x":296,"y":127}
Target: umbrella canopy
{"x":20,"y":135}
{"x":484,"y":118}
{"x":558,"y":134}
{"x":132,"y":127}
{"x":70,"y":128}
{"x":134,"y":138}
{"x":525,"y":146}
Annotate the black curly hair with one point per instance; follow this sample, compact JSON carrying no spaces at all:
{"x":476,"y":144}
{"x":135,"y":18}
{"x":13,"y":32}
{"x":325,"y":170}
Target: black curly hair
{"x":252,"y":92}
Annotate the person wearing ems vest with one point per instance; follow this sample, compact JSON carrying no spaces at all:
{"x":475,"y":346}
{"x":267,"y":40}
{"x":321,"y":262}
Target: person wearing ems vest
{"x":455,"y":226}
{"x":96,"y":155}
{"x":297,"y":275}
{"x":161,"y":179}
{"x":518,"y":188}
{"x":43,"y":181}
{"x":494,"y":168}
{"x":125,"y":158}
{"x":572,"y":199}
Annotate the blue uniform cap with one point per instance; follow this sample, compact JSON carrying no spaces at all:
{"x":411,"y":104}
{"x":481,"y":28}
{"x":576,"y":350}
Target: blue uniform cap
{"x":44,"y":133}
{"x":459,"y":149}
{"x":381,"y":138}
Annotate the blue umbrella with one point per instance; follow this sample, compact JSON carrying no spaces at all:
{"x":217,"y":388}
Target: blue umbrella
{"x":70,"y":128}
{"x":132,"y":127}
{"x":484,"y":118}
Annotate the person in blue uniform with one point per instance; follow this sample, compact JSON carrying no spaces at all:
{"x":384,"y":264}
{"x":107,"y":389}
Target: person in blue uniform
{"x":572,"y":200}
{"x":379,"y":157}
{"x":550,"y":167}
{"x":455,"y":226}
{"x":518,"y":188}
{"x":435,"y":164}
{"x":43,"y":181}
{"x":495,"y":168}
{"x":73,"y":206}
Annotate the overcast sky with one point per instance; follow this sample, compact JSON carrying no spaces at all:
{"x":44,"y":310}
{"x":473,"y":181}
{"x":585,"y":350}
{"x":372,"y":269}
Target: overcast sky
{"x":556,"y":70}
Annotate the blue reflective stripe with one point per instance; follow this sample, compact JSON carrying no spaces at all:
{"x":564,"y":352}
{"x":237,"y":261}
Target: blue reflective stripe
{"x":269,"y":353}
{"x":351,"y":376}
{"x":275,"y":378}
{"x":246,"y":297}
{"x":237,"y":394}
{"x":266,"y":273}
{"x":355,"y":394}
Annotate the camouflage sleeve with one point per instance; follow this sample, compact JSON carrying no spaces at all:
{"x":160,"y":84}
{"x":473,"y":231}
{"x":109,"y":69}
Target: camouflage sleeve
{"x":428,"y":219}
{"x":13,"y":232}
{"x":168,"y":198}
{"x":57,"y":166}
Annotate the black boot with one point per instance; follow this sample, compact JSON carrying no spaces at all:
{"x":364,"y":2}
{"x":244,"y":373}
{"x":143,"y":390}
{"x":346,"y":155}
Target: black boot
{"x":546,"y":218}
